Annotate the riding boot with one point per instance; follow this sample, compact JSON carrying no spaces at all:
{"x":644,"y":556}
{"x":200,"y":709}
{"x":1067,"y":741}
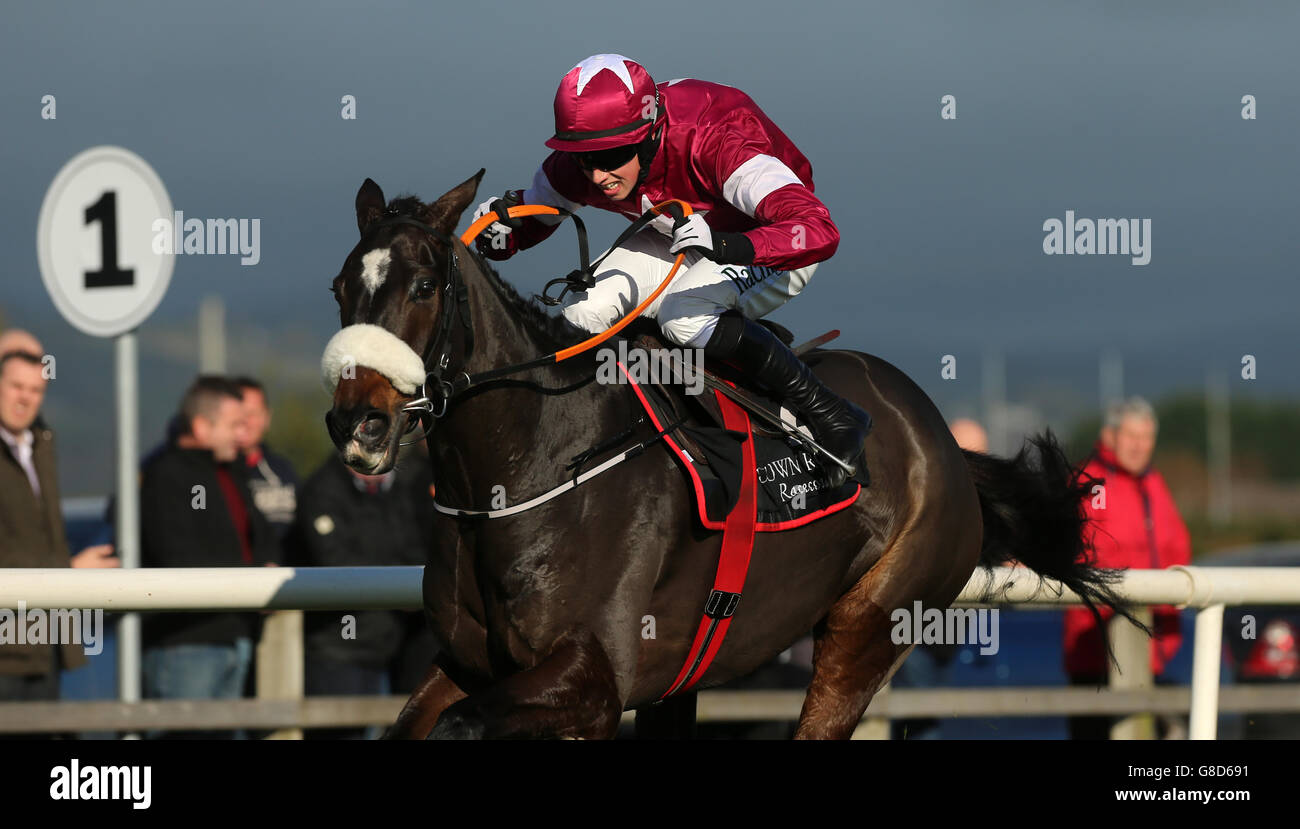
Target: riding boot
{"x":837,"y":424}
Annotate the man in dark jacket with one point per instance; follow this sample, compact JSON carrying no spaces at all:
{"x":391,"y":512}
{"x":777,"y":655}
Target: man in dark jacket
{"x":271,"y":477}
{"x":196,"y":511}
{"x":346,"y":519}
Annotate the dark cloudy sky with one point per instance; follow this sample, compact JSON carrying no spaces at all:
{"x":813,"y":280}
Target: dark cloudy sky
{"x":1110,"y":109}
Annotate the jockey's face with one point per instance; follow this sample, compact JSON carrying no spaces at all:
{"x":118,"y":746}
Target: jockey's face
{"x":616,"y":184}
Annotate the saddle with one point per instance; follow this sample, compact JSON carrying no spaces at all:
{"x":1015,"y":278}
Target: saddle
{"x":792,"y":482}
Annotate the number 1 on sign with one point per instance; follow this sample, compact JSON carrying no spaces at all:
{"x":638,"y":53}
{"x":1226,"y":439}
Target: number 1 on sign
{"x":110,"y":274}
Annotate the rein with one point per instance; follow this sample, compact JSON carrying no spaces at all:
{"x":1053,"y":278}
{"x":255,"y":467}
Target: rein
{"x":437,"y":391}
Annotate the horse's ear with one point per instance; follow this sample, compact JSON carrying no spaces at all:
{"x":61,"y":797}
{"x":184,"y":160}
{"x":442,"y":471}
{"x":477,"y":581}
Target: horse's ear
{"x":370,"y":204}
{"x":445,"y":212}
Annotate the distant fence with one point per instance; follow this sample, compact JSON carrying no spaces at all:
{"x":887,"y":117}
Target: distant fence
{"x":282,"y":705}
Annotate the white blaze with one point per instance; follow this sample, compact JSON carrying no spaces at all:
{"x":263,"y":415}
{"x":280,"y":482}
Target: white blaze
{"x":374,"y":268}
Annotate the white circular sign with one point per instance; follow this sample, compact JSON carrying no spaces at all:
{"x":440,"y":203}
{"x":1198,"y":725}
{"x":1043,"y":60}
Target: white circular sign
{"x":96,"y":241}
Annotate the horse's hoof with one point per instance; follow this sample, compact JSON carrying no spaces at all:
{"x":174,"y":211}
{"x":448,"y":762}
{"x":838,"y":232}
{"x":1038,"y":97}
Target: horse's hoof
{"x":453,"y":726}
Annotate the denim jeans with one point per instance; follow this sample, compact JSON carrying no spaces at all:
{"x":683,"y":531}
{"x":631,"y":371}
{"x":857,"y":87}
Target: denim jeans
{"x":199,"y":671}
{"x":327,"y":677}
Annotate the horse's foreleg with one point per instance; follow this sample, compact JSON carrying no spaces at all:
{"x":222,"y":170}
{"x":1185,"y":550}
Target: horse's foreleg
{"x":435,"y":693}
{"x":571,"y":693}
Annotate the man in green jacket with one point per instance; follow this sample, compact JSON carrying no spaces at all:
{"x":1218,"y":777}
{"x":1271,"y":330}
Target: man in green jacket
{"x":31,"y":521}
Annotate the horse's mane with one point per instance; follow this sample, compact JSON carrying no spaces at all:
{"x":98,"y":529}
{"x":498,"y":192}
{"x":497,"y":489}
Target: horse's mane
{"x":554,"y":327}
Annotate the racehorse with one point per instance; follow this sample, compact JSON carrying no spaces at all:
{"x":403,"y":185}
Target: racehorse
{"x":543,"y":614}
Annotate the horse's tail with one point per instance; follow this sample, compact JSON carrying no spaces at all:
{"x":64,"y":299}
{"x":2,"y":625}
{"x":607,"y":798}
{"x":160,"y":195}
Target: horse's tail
{"x":1033,"y":513}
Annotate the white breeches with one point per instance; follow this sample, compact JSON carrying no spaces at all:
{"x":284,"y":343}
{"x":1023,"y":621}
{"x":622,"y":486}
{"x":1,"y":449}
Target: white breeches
{"x":688,"y":309}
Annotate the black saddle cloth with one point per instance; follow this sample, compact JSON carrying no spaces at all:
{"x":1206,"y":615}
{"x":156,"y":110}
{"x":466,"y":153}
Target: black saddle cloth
{"x":792,"y":479}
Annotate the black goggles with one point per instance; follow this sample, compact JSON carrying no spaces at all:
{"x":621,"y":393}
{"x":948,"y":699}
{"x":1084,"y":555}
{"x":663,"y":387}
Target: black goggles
{"x":606,"y":160}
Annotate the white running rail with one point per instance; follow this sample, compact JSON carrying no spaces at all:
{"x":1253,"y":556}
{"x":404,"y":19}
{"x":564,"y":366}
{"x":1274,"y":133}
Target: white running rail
{"x":1208,"y":589}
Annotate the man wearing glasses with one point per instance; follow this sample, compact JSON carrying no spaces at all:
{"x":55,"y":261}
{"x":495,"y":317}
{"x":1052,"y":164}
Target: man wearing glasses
{"x":623,"y":144}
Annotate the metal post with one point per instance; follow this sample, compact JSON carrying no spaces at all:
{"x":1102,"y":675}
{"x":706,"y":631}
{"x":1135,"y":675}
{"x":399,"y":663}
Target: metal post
{"x":994,"y":388}
{"x":128,"y":511}
{"x":1206,"y":656}
{"x":212,"y":335}
{"x":280,"y":668}
{"x":1111,"y":378}
{"x":1218,"y":424}
{"x":1132,"y":673}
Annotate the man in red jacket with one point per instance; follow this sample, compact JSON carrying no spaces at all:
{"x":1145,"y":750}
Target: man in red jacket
{"x":1134,"y":524}
{"x":624,"y":143}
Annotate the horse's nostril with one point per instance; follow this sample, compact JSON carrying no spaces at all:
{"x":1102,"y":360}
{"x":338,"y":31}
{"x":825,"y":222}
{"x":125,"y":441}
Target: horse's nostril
{"x":373,"y":426}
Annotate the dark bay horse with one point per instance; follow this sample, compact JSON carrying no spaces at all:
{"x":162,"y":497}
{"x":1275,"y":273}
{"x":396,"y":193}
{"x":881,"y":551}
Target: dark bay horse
{"x":544,"y":613}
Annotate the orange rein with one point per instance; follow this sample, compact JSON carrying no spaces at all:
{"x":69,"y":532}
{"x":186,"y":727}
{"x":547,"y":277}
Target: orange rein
{"x":481,"y":224}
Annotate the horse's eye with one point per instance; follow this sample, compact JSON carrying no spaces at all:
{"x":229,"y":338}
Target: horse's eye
{"x":425,"y":289}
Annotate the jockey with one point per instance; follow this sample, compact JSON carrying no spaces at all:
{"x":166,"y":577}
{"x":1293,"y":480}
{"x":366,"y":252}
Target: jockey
{"x":753,"y":241}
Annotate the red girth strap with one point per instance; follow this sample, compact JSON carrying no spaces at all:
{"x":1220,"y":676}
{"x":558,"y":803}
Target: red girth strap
{"x":733,"y":563}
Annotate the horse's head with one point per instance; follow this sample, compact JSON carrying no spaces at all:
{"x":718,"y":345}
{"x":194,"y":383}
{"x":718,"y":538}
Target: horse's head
{"x":396,"y":305}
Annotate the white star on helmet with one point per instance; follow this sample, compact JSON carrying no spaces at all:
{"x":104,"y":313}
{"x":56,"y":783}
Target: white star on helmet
{"x":615,"y":63}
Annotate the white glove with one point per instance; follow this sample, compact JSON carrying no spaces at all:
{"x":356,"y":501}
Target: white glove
{"x":496,"y":233}
{"x":692,"y":233}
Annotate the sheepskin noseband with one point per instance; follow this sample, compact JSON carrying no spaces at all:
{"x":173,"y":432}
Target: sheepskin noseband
{"x":374,"y":348}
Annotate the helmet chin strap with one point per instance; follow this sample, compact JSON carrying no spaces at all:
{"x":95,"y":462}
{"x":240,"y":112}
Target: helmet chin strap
{"x":646,"y":153}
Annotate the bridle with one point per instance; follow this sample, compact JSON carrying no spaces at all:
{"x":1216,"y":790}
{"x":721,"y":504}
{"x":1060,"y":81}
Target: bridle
{"x":437,"y":356}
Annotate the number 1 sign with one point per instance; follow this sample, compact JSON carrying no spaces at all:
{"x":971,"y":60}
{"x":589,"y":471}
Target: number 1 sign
{"x":94,"y":241}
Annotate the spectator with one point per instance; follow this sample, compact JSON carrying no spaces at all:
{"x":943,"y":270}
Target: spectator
{"x":196,"y":511}
{"x":1134,"y":524}
{"x":273,"y":483}
{"x":16,"y":339}
{"x":24,"y":342}
{"x":930,"y":666}
{"x":346,"y":519}
{"x":271,"y":476}
{"x":31,"y":519}
{"x":969,"y":435}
